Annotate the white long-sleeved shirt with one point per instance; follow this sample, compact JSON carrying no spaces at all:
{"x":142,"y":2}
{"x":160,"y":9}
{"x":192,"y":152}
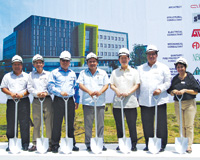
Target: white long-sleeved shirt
{"x":37,"y":82}
{"x":151,"y":78}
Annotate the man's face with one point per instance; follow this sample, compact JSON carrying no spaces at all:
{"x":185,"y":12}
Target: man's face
{"x":17,"y":67}
{"x":64,"y":64}
{"x":152,"y":57}
{"x":92,"y":63}
{"x":38,"y":65}
{"x":124,"y":60}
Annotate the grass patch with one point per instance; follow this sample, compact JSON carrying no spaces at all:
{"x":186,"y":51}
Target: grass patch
{"x":110,"y":133}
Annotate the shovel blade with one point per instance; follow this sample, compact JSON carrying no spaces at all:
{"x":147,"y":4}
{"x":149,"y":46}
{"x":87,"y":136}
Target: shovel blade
{"x":15,"y":145}
{"x":181,"y":144}
{"x":125,"y":144}
{"x":66,"y":145}
{"x":154,"y":145}
{"x":96,"y":145}
{"x":42,"y":145}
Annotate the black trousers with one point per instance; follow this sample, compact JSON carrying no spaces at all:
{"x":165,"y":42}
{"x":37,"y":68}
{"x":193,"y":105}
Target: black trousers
{"x":131,"y":117}
{"x":59,"y":113}
{"x":23,"y":117}
{"x":147,"y":115}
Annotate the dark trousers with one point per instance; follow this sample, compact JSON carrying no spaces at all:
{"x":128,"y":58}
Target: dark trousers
{"x":59,"y":113}
{"x":147,"y":115}
{"x":131,"y":117}
{"x":23,"y":117}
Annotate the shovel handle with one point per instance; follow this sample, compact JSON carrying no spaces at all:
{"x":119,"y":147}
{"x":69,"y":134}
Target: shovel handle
{"x":180,"y":114}
{"x":156,"y":99}
{"x":41,"y":114}
{"x":66,"y":115}
{"x":122,"y":114}
{"x":16,"y":100}
{"x":95,"y":98}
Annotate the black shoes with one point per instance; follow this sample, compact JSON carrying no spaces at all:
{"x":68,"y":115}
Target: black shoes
{"x":25,"y":148}
{"x":54,"y":149}
{"x":104,"y":148}
{"x":89,"y":149}
{"x":33,"y":148}
{"x":162,"y":150}
{"x":75,"y":148}
{"x":117,"y":148}
{"x":134,"y":149}
{"x":7,"y":149}
{"x":146,"y":149}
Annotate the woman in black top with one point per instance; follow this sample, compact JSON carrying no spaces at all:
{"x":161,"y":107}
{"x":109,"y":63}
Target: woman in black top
{"x":185,"y":84}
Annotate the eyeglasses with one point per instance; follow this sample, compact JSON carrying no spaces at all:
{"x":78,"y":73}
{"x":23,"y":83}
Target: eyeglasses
{"x":38,"y":62}
{"x":151,"y":54}
{"x":63,"y":60}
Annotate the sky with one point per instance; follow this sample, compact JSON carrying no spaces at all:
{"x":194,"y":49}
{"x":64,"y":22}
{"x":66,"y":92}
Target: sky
{"x":117,"y":15}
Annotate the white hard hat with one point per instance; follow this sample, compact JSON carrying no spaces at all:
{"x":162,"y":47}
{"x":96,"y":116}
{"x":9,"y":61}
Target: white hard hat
{"x":151,"y":48}
{"x":181,"y":60}
{"x":17,"y":58}
{"x":91,"y":55}
{"x":65,"y":55}
{"x":37,"y":57}
{"x":123,"y":51}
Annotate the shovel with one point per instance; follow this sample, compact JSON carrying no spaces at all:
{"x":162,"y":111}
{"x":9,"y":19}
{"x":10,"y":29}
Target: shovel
{"x":66,"y":144}
{"x":124,"y":143}
{"x":15,"y":144}
{"x":155,"y":143}
{"x":181,"y":143}
{"x":96,"y":143}
{"x":42,"y":143}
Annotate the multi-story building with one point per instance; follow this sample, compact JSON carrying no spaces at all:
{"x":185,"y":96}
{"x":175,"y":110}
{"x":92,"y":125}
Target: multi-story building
{"x":49,"y":37}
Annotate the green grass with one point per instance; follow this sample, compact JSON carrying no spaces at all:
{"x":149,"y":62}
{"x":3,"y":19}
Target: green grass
{"x":110,"y":135}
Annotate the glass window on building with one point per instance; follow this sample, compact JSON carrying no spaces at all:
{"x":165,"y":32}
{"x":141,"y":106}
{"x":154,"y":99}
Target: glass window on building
{"x":122,"y":39}
{"x":105,"y":37}
{"x":108,"y":37}
{"x":105,"y":53}
{"x":119,"y":38}
{"x":119,"y":46}
{"x":101,"y":54}
{"x":105,"y":45}
{"x":101,"y":37}
{"x":115,"y":38}
{"x":122,"y":46}
{"x":112,"y":38}
{"x":116,"y":53}
{"x":101,"y":44}
{"x":113,"y":53}
{"x":116,"y":46}
{"x":112,"y":45}
{"x":109,"y":53}
{"x":108,"y":45}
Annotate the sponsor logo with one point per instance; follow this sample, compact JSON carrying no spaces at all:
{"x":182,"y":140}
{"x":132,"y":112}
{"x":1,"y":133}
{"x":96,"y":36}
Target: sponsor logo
{"x":175,"y":45}
{"x":196,"y":33}
{"x":172,"y":7}
{"x":195,"y":6}
{"x":196,"y":71}
{"x":174,"y":18}
{"x":196,"y":57}
{"x":174,"y":33}
{"x":195,"y":45}
{"x":196,"y":17}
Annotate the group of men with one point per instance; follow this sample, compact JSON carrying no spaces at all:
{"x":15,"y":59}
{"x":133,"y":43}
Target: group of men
{"x":152,"y":78}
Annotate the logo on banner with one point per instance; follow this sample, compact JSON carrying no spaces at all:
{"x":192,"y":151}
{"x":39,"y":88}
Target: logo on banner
{"x":195,"y":6}
{"x":196,"y":33}
{"x":196,"y":57}
{"x":196,"y":71}
{"x":196,"y":17}
{"x":195,"y":45}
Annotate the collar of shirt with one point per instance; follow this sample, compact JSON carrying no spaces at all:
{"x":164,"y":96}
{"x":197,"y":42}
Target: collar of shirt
{"x":127,"y":69}
{"x":60,"y":69}
{"x":43,"y":72}
{"x":13,"y":74}
{"x":153,"y":66}
{"x":88,"y":71}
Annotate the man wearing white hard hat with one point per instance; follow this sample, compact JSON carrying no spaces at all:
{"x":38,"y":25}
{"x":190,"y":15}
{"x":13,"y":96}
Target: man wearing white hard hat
{"x":14,"y":85}
{"x":62,"y":83}
{"x":94,"y":82}
{"x":37,"y":86}
{"x":184,"y":83}
{"x":155,"y":79}
{"x":124,"y":82}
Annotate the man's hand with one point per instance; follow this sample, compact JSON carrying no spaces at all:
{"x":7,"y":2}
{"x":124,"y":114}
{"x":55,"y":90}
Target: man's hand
{"x":42,"y":94}
{"x":76,"y":105}
{"x":64,"y":94}
{"x":156,"y":92}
